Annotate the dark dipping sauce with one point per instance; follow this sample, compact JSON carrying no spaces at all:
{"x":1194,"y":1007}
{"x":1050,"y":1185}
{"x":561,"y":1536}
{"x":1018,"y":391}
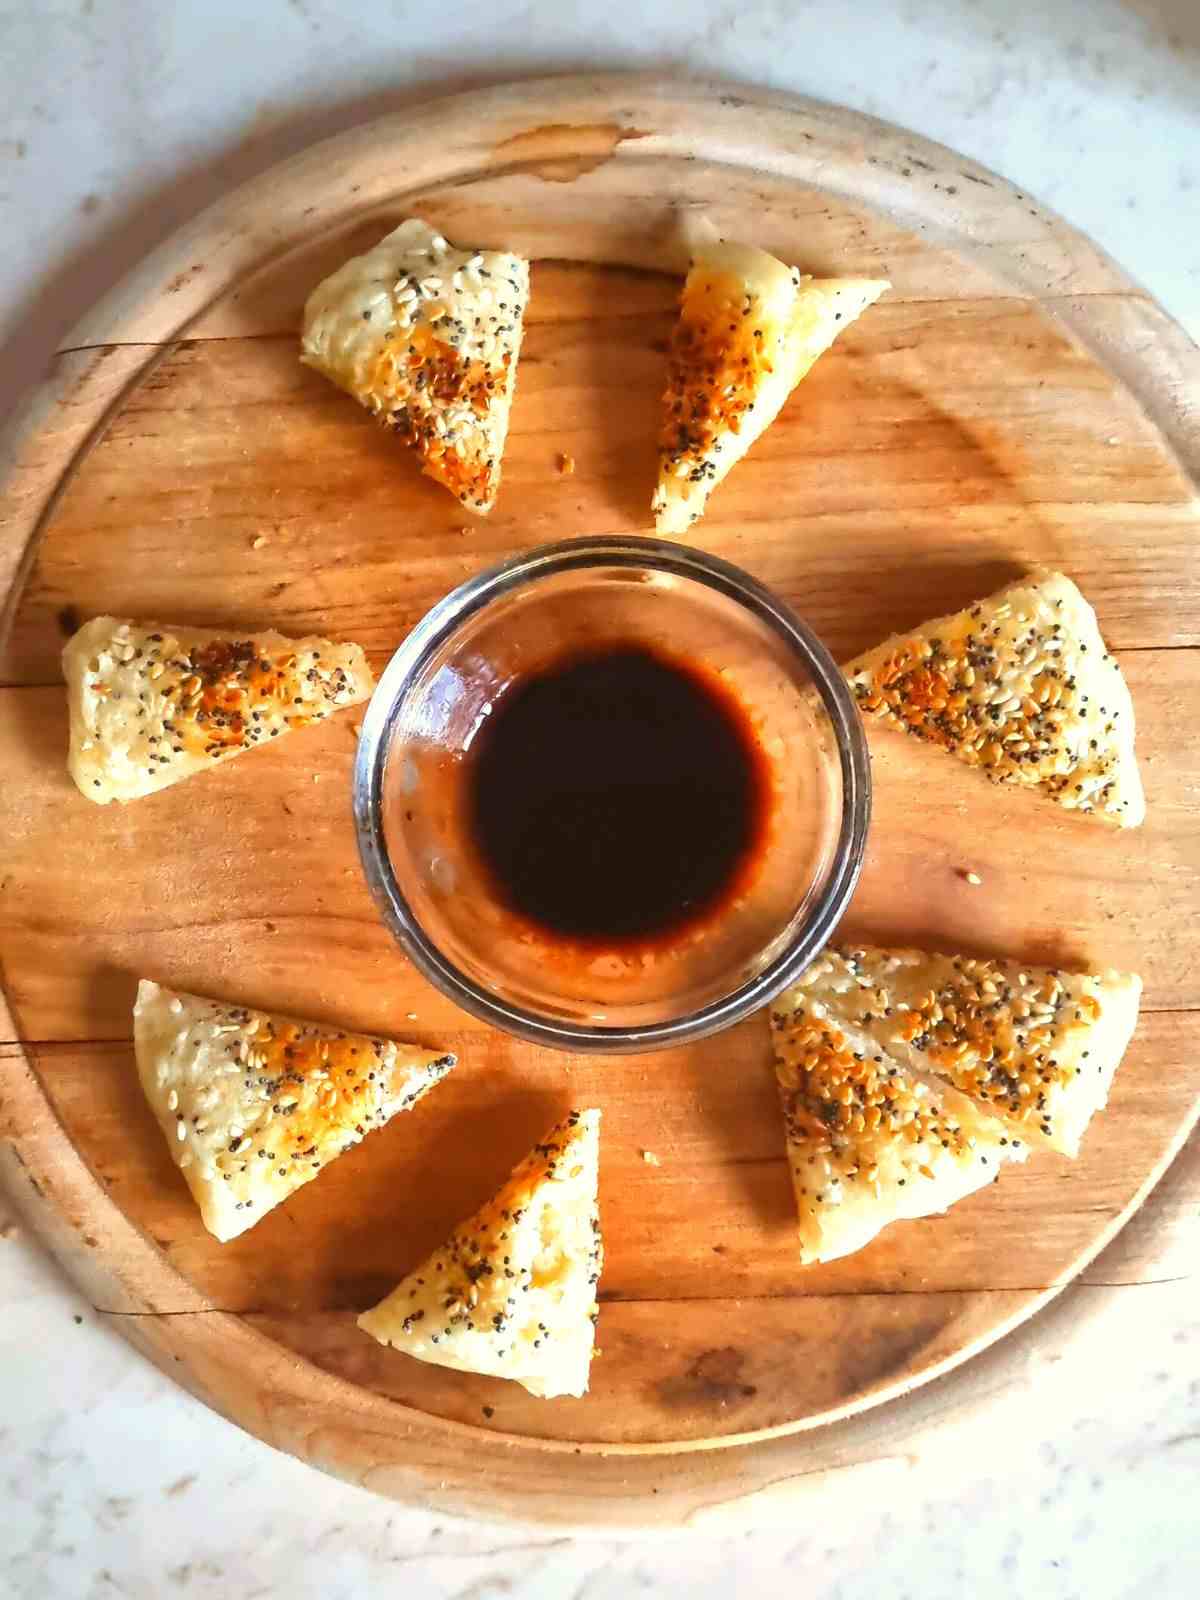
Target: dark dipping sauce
{"x":619,"y":796}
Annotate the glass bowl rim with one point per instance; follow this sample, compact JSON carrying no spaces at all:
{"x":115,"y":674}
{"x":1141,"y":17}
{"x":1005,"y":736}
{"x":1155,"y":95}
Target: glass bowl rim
{"x":444,"y":619}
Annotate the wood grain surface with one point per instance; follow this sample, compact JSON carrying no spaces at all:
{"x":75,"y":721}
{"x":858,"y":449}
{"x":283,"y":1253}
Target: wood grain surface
{"x":1013,"y":400}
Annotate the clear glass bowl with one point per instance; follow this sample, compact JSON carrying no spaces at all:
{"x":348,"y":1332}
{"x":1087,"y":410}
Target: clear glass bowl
{"x":411,"y":794}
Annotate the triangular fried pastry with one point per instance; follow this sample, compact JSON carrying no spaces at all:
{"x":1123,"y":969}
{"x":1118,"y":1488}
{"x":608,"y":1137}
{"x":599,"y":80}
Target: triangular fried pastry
{"x":869,"y":1141}
{"x":512,"y":1292}
{"x":750,"y":327}
{"x":1036,"y":1047}
{"x":1021,"y":686}
{"x":253,"y":1106}
{"x":151,"y":704}
{"x":426,"y":336}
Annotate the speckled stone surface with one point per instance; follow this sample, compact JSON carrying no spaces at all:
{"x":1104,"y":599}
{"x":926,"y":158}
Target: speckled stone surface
{"x":119,"y":119}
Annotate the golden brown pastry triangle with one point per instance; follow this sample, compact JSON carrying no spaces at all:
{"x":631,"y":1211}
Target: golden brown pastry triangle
{"x":253,"y":1106}
{"x":750,"y":327}
{"x":426,"y":336}
{"x":1021,"y":686}
{"x":512,"y":1292}
{"x":151,"y":704}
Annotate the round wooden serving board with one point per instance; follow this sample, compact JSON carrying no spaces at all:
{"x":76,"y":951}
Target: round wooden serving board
{"x":1014,"y":399}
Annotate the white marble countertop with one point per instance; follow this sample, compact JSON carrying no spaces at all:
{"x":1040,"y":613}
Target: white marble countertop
{"x":119,"y":119}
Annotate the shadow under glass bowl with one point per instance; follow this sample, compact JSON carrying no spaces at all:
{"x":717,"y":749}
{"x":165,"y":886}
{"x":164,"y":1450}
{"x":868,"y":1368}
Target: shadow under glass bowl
{"x":412,"y":794}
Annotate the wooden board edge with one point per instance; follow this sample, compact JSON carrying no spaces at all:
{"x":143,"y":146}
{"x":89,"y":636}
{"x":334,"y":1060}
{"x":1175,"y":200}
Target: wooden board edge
{"x":648,"y":114}
{"x":374,"y":1442}
{"x":1128,"y":335}
{"x":36,"y":455}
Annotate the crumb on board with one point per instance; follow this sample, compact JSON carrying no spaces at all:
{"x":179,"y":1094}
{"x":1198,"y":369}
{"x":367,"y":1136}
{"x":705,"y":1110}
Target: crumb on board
{"x":651,"y":1159}
{"x":7,"y":1229}
{"x":258,"y":541}
{"x":970,"y":877}
{"x":411,"y":1015}
{"x":566,"y":464}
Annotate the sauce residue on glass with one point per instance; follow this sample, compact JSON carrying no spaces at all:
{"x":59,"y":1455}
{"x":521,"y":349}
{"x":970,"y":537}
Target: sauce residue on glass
{"x":619,"y":796}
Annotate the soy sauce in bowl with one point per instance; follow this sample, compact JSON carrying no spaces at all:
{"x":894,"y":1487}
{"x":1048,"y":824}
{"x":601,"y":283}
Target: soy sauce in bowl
{"x":619,"y":795}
